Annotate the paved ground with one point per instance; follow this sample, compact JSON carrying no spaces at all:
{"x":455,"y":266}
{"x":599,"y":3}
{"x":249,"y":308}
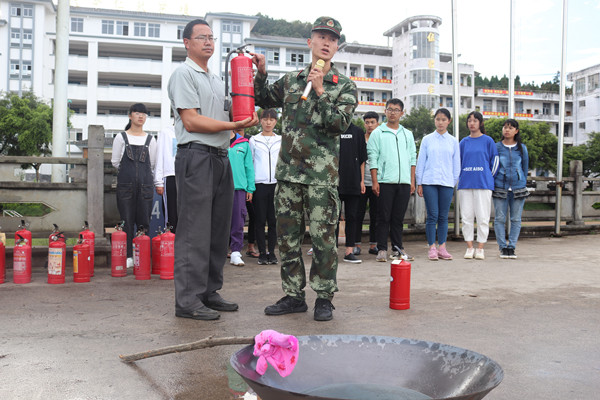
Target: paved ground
{"x":537,"y":316}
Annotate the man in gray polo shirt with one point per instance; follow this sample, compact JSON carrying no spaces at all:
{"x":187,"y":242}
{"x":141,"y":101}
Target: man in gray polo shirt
{"x":203,"y":176}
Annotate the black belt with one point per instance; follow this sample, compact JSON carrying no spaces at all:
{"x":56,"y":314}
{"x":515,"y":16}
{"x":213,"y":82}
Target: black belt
{"x":203,"y":147}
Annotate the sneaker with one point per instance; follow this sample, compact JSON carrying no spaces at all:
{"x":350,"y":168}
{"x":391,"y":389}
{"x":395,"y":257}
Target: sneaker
{"x":130,"y":262}
{"x":504,"y":253}
{"x":479,"y":254}
{"x":310,"y":252}
{"x":236,"y":259}
{"x":356,"y":251}
{"x":433,"y":254}
{"x":381,"y":256}
{"x":272,"y":259}
{"x":469,"y":253}
{"x":263,"y":259}
{"x":373,"y":250}
{"x":400,"y":254}
{"x":443,"y":254}
{"x":351,"y":258}
{"x":511,"y":254}
{"x":323,"y":310}
{"x":287,"y":305}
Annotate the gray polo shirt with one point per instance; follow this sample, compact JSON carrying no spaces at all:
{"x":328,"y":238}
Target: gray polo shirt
{"x":192,"y":87}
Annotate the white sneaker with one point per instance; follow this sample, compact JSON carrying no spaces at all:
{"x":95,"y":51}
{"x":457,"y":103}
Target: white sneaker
{"x":130,"y":262}
{"x":310,"y":252}
{"x":479,"y":255}
{"x":469,"y":253}
{"x":236,"y":259}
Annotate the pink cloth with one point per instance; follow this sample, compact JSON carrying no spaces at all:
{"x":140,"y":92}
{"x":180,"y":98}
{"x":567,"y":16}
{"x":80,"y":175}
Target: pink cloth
{"x":279,"y":350}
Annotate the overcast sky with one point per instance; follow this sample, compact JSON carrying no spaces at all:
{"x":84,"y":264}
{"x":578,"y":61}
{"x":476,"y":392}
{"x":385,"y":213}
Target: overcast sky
{"x":483,"y":26}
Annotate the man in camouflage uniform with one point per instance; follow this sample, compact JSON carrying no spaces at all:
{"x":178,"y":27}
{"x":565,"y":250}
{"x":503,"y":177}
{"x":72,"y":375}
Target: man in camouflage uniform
{"x":307,"y":169}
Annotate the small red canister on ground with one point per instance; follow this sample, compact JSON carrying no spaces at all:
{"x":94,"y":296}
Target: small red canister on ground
{"x":57,"y":258}
{"x":142,"y":255}
{"x":167,"y":254}
{"x":400,"y":285}
{"x":81,"y":261}
{"x":156,"y":253}
{"x":118,"y":252}
{"x":22,"y":260}
{"x":90,"y":239}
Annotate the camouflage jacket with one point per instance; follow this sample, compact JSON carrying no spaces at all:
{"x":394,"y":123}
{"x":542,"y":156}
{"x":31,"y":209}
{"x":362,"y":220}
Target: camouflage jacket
{"x":311,"y":129}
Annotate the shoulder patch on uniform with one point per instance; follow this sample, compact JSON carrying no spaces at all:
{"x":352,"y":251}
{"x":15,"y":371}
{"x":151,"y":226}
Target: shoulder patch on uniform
{"x":335,"y":79}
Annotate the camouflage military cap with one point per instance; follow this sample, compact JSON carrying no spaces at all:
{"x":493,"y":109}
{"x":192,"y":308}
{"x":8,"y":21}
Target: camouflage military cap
{"x":328,"y":24}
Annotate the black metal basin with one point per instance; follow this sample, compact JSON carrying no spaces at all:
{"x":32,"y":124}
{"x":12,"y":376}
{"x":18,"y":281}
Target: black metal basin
{"x":350,"y":367}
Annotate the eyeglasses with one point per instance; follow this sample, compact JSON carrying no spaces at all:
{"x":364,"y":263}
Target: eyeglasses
{"x":393,"y":110}
{"x":204,"y":38}
{"x":139,"y":113}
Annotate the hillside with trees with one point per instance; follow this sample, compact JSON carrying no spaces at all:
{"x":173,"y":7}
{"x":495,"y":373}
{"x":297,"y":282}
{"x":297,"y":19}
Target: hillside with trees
{"x":280,"y":27}
{"x":494,"y":82}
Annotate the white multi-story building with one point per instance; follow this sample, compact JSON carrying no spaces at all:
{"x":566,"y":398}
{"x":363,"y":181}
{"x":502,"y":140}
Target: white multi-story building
{"x":586,"y":102}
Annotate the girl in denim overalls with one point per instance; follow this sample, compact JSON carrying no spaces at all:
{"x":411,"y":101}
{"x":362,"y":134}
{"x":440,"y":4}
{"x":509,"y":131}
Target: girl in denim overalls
{"x":134,"y":155}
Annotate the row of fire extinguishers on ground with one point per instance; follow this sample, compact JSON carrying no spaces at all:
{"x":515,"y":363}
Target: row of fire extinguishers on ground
{"x":156,"y":258}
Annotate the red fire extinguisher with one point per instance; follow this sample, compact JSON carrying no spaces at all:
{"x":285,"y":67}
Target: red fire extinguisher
{"x":2,"y":262}
{"x":156,"y":253}
{"x":81,"y":261}
{"x":400,"y":285}
{"x":90,"y":239}
{"x":242,"y":85}
{"x":167,"y":254}
{"x":22,"y":261}
{"x":141,"y":255}
{"x":55,"y":230}
{"x":23,"y":232}
{"x":118,"y":252}
{"x":57,"y":258}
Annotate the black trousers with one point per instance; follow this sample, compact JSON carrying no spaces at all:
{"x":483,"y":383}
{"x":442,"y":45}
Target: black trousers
{"x":170,"y":202}
{"x":350,"y":213}
{"x":372,"y":199}
{"x":392,"y":205}
{"x":263,"y":203}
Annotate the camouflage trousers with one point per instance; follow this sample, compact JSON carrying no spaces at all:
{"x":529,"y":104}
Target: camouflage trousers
{"x":321,"y":204}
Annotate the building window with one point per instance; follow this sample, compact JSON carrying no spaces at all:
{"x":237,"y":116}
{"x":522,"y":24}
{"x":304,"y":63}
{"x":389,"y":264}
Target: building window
{"x":15,"y":68}
{"x":441,"y":78}
{"x":123,"y":28}
{"x":384,"y":74}
{"x":519,"y":107}
{"x":556,"y":108}
{"x":448,"y":79}
{"x":449,"y":102}
{"x":108,"y":27}
{"x":424,"y":76}
{"x":296,"y":58}
{"x":231,"y":26}
{"x":76,"y":24}
{"x":502,"y":106}
{"x":425,"y":45}
{"x":581,"y":103}
{"x":593,"y":82}
{"x":582,"y":125}
{"x":180,"y":29}
{"x":26,"y":69}
{"x":353,"y":71}
{"x":370,"y":72}
{"x":15,"y":37}
{"x":153,"y":30}
{"x":139,"y":28}
{"x":580,"y":85}
{"x":15,"y":11}
{"x":546,"y":107}
{"x":271,"y":54}
{"x":424,"y":100}
{"x":28,"y":10}
{"x":465,"y":102}
{"x":367,"y":96}
{"x":487,"y":105}
{"x":384,"y":97}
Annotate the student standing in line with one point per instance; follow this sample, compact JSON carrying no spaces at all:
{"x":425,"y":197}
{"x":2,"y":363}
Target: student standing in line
{"x":134,"y":155}
{"x":265,"y":150}
{"x":510,"y":192}
{"x":438,"y":168}
{"x":479,"y":165}
{"x":392,"y":159}
{"x":371,"y":119}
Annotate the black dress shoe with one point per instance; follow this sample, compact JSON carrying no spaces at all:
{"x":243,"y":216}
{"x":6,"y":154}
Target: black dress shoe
{"x":323,"y":310}
{"x":203,"y":313}
{"x":221,"y":304}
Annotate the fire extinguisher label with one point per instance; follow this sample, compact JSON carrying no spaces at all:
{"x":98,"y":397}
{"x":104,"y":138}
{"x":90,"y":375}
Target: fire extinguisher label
{"x":20,"y":265}
{"x":245,"y":76}
{"x":119,"y":248}
{"x":55,"y":261}
{"x":76,"y":262}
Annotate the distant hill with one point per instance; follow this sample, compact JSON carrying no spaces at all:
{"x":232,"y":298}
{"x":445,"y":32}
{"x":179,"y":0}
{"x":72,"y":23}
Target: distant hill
{"x":280,"y":27}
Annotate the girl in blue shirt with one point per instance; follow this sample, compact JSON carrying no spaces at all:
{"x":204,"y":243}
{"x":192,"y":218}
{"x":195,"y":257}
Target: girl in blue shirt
{"x":479,"y":165}
{"x":438,"y":168}
{"x":510,"y":191}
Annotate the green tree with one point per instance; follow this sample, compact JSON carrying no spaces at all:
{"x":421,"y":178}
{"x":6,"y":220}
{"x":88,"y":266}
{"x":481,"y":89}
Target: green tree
{"x":25,"y":126}
{"x":589,"y":153}
{"x":280,"y":27}
{"x":419,"y":121}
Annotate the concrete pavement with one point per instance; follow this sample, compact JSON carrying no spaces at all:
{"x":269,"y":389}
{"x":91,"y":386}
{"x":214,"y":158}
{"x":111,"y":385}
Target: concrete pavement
{"x":537,"y":316}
